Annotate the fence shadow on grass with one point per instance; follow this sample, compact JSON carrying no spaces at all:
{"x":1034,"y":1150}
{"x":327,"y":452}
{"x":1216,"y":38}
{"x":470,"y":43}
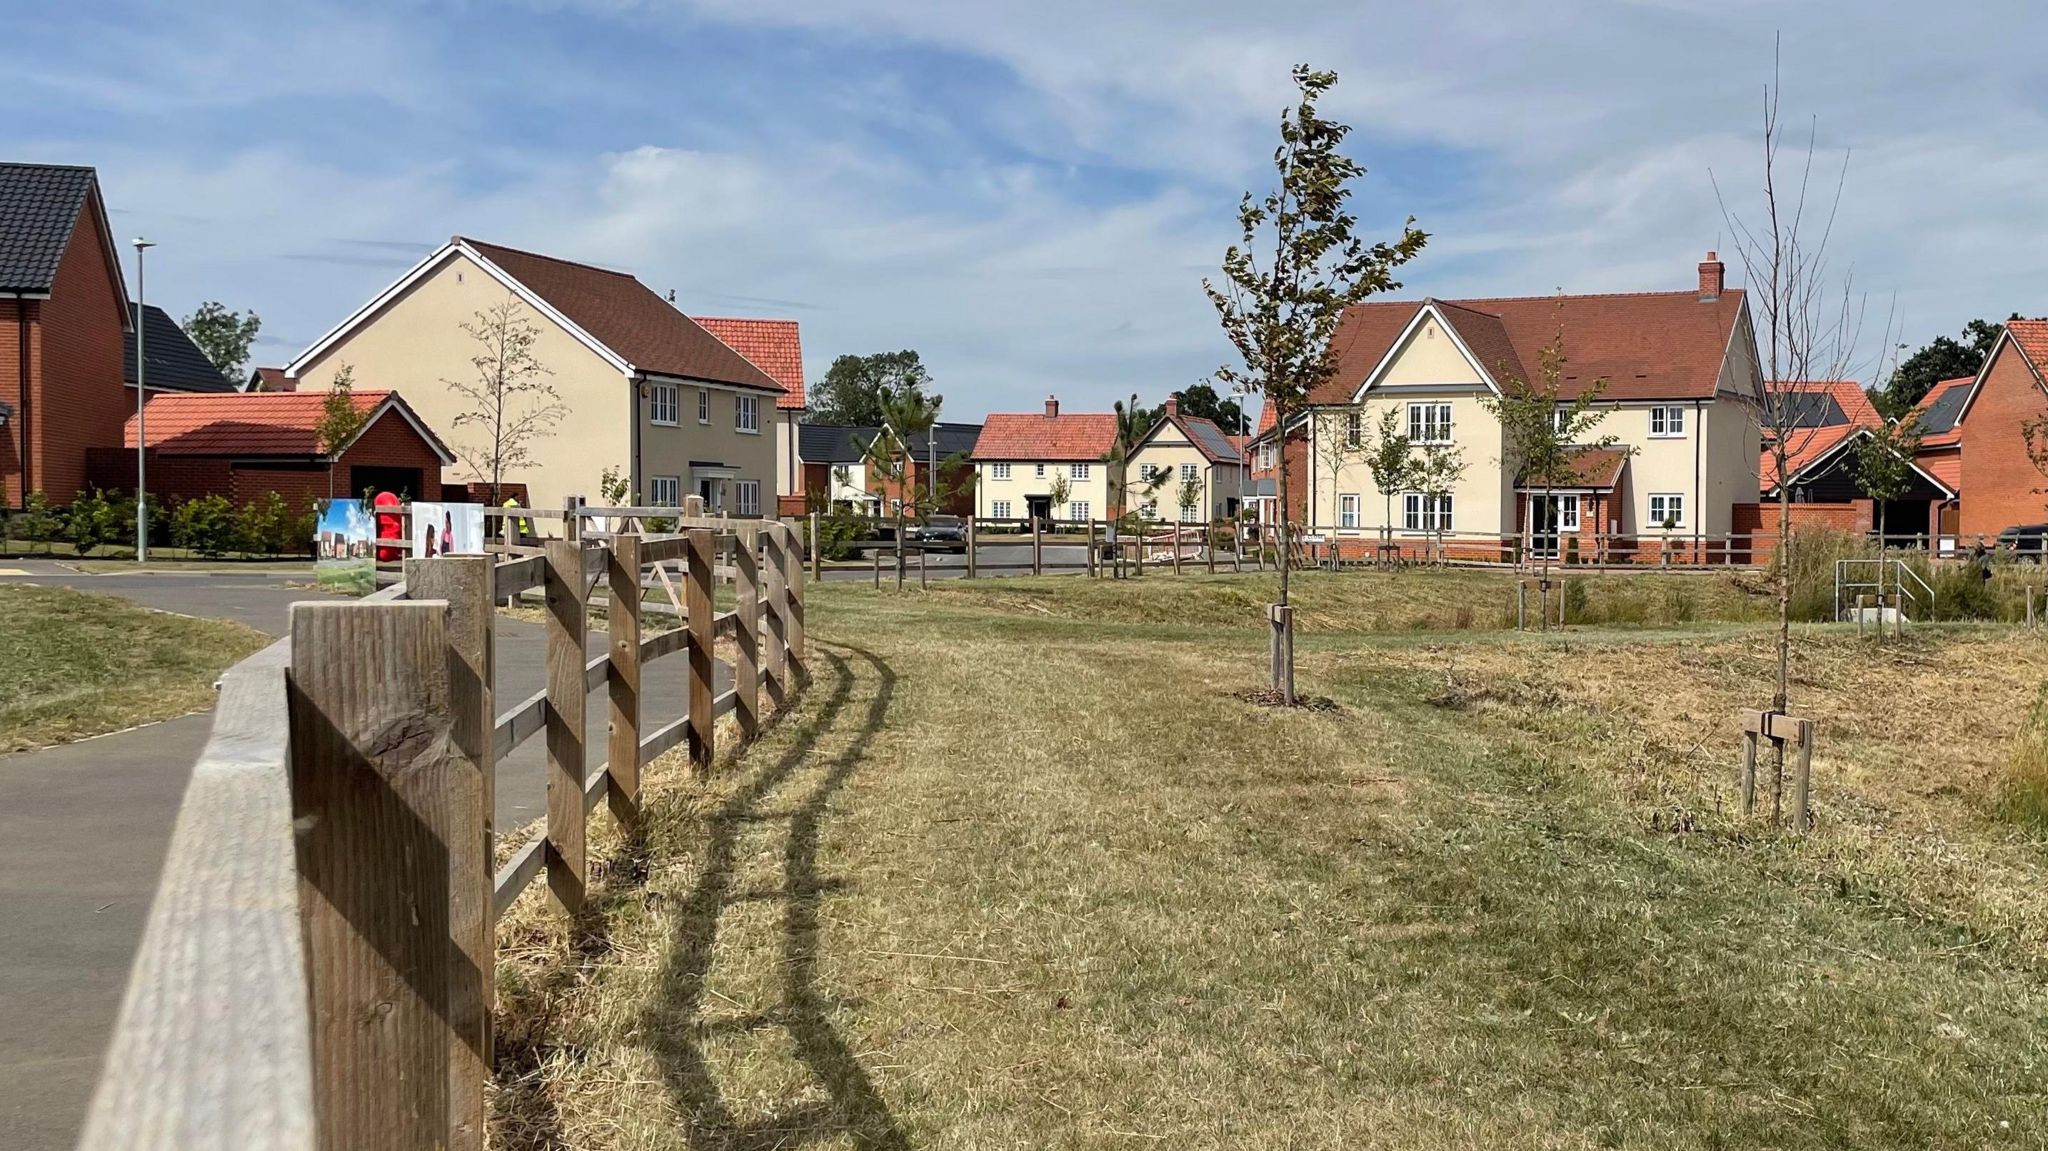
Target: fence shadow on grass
{"x":674,"y":1026}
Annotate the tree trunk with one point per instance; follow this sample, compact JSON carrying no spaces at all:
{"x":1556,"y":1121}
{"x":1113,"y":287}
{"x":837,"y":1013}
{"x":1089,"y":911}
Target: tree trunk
{"x":1781,"y":699}
{"x":1283,"y":644}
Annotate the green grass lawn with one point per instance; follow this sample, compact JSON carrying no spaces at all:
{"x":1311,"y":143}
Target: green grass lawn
{"x":1021,"y":871}
{"x":74,"y":665}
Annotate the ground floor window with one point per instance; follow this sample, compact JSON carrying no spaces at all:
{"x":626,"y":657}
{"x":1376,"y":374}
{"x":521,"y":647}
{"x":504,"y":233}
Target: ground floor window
{"x":1191,"y":514}
{"x":1421,"y":513}
{"x":665,"y":491}
{"x":1077,"y":510}
{"x":1667,"y":510}
{"x":1347,"y":511}
{"x":1150,"y":509}
{"x":1000,"y":509}
{"x":747,"y":494}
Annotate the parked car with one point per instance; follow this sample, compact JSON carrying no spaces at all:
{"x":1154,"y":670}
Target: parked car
{"x":2026,"y":542}
{"x":947,"y":532}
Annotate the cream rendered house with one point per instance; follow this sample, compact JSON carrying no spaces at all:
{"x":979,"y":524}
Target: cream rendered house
{"x":1187,"y":454}
{"x":1682,"y":381}
{"x":646,"y":389}
{"x":1019,"y":457}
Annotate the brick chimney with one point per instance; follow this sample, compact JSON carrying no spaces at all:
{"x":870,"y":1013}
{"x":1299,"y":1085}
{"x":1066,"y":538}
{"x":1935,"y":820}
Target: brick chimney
{"x":1713,"y":273}
{"x":1052,"y":407}
{"x":1173,"y":404}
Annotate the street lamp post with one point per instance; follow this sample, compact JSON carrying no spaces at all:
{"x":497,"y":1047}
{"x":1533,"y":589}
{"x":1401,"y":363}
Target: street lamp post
{"x":141,"y":397}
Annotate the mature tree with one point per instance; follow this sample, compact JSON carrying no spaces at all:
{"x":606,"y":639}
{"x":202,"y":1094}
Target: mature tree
{"x":1436,"y":475}
{"x":1390,"y":458}
{"x":339,"y":420}
{"x":1941,"y":358}
{"x":511,"y":403}
{"x":1204,"y":402}
{"x":1808,"y":324}
{"x":224,"y":336}
{"x":1884,"y":464}
{"x":1545,"y":435}
{"x":857,"y":389}
{"x":1281,"y":311}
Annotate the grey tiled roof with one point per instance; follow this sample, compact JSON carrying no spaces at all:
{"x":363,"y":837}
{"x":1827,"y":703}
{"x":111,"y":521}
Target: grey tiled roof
{"x":175,"y":362}
{"x":39,"y":207}
{"x":841,"y":444}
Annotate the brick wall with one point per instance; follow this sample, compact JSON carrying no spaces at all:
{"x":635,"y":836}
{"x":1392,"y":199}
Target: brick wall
{"x":2000,"y":482}
{"x":80,"y":400}
{"x":16,"y":318}
{"x":390,"y":442}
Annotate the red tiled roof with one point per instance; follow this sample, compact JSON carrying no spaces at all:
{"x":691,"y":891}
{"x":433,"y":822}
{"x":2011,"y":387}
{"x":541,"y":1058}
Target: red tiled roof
{"x":1648,"y":345}
{"x":249,"y":423}
{"x":626,"y":316}
{"x":770,"y":345}
{"x":2032,"y":337}
{"x":1945,"y":464}
{"x":1035,"y":436}
{"x":1807,"y":445}
{"x":1810,"y":444}
{"x":1267,"y":417}
{"x":1955,"y":433}
{"x":1598,"y":468}
{"x":1849,"y":396}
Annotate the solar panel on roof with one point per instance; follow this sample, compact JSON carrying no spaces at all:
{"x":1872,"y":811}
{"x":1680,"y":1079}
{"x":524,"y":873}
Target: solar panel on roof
{"x":1940,"y":416}
{"x":1812,"y":410}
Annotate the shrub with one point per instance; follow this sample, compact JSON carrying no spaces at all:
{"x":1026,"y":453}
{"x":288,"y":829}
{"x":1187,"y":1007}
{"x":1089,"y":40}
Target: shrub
{"x":1575,"y":599}
{"x":92,"y":521}
{"x":264,"y":525}
{"x":1962,"y":592}
{"x":837,"y":532}
{"x":205,"y":525}
{"x":38,"y":523}
{"x":1811,"y":554}
{"x":1680,"y":606}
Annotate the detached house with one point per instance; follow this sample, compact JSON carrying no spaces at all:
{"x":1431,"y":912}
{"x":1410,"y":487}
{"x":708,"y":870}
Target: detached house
{"x":1019,"y":457}
{"x":775,"y":347}
{"x":1682,"y":383}
{"x":1198,"y":460}
{"x":2000,"y":486}
{"x":646,"y":389}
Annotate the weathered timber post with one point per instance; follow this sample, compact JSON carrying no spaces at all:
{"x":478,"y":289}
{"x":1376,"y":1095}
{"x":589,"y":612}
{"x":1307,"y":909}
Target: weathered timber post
{"x":774,"y":545}
{"x":465,"y":584}
{"x":746,"y":664}
{"x":567,"y":605}
{"x":1037,"y":564}
{"x":622,"y":680}
{"x":1209,"y":545}
{"x":697,"y":607}
{"x":1802,"y":777}
{"x":1281,"y":618}
{"x":1862,"y":609}
{"x":1752,"y":725}
{"x":572,"y":517}
{"x":878,"y":569}
{"x":799,"y":654}
{"x":1236,"y":548}
{"x":817,"y":550}
{"x":374,"y":763}
{"x":924,"y":579}
{"x":1176,"y":548}
{"x":1522,"y":606}
{"x":1091,"y":560}
{"x":973,"y":549}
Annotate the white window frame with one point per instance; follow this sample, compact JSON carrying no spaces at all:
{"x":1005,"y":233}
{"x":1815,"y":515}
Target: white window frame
{"x":1077,"y":471}
{"x":1347,"y":511}
{"x":1149,"y":509}
{"x":1567,"y":513}
{"x":1671,"y":417}
{"x":746,"y":497}
{"x":999,"y":471}
{"x":661,"y":405}
{"x":1429,"y":416}
{"x":1000,"y":509}
{"x":1427,"y":514}
{"x":1077,"y":509}
{"x":1560,"y":419}
{"x":1147,"y":473}
{"x":674,"y":484}
{"x":1191,"y":514}
{"x":1189,"y":472}
{"x":1354,"y":429}
{"x":1037,"y":471}
{"x":703,"y":405}
{"x":746,"y":414}
{"x":1668,"y":499}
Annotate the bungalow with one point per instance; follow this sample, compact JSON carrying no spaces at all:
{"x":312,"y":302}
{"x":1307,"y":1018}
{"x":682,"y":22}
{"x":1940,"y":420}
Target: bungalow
{"x":1022,"y":459}
{"x":1826,"y":422}
{"x":1682,"y":382}
{"x":643,"y":387}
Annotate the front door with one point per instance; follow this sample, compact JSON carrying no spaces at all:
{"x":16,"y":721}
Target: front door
{"x":1039,"y":508}
{"x":1549,"y":518}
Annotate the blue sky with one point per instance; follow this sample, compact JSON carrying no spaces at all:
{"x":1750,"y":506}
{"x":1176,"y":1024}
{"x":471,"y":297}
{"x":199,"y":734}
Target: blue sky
{"x":1027,"y":194}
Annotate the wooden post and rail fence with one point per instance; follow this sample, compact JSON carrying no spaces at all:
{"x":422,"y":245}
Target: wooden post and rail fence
{"x":317,"y":967}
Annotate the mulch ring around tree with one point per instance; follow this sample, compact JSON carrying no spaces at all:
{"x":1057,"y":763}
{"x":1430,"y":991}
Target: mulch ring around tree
{"x":1269,"y":697}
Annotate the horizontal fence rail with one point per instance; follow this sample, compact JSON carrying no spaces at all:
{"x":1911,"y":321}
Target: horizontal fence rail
{"x":317,"y":967}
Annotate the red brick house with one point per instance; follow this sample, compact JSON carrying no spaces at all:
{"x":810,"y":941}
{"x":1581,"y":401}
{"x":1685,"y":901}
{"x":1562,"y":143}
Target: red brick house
{"x":63,"y":319}
{"x":2000,"y":485}
{"x":241,"y":445}
{"x":1830,"y":419}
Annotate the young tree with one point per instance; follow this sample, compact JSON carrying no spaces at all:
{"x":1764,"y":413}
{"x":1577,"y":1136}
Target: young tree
{"x":1188,"y":498}
{"x":511,"y":403}
{"x":339,"y":420}
{"x":1059,"y":492}
{"x":907,"y":415}
{"x":1133,"y":424}
{"x":1808,"y":331}
{"x":1390,"y":458}
{"x":224,"y":336}
{"x":1281,"y":311}
{"x":856,"y":389}
{"x":1884,"y":464}
{"x":1544,"y":436}
{"x":1339,"y":439}
{"x":1436,"y":475}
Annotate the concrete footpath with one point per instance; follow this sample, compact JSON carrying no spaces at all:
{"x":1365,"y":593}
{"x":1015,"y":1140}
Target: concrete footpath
{"x":84,"y":827}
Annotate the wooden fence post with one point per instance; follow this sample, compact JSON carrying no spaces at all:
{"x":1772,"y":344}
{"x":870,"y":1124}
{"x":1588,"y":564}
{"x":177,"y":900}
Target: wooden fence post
{"x":924,"y":579}
{"x":1522,"y":605}
{"x":799,"y":655}
{"x":973,"y":549}
{"x":1236,"y":548}
{"x":777,"y":620}
{"x":565,"y":593}
{"x":1752,"y":725}
{"x":1802,"y":778}
{"x":1090,"y":562}
{"x":878,"y":569}
{"x":817,"y":550}
{"x":1037,"y":567}
{"x":697,"y":609}
{"x":746,"y":664}
{"x":622,"y":680}
{"x":1176,"y":548}
{"x":572,"y":517}
{"x":465,"y":583}
{"x":374,"y":761}
{"x":1209,"y":545}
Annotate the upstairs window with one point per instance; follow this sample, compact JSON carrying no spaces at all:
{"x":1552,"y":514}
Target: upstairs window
{"x":1429,"y":423}
{"x":661,"y":404}
{"x":746,"y":413}
{"x":703,"y":405}
{"x":1354,"y":429}
{"x":1189,"y":472}
{"x":999,"y":471}
{"x":1078,"y":471}
{"x":1667,"y":420}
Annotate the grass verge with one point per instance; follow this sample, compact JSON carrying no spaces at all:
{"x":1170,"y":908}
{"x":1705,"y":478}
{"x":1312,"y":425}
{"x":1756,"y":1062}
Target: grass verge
{"x":1030,"y":879}
{"x":74,"y":665}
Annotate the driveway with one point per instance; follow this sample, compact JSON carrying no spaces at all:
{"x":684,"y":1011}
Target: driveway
{"x":84,"y":827}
